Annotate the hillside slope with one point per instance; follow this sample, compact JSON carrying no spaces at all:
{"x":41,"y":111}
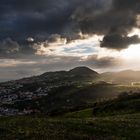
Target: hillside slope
{"x":79,"y":125}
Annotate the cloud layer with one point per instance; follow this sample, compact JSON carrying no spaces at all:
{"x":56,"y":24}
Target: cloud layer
{"x":35,"y":21}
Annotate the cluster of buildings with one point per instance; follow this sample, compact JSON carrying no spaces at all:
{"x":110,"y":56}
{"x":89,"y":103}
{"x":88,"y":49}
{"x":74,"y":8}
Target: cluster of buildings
{"x":26,"y":89}
{"x":13,"y":92}
{"x":4,"y":111}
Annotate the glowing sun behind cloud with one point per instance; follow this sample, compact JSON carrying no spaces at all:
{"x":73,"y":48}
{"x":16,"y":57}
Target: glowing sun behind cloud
{"x":135,"y":31}
{"x":133,"y":53}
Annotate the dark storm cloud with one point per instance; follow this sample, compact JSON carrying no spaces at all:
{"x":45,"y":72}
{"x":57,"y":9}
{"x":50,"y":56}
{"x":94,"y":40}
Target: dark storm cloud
{"x":20,"y":20}
{"x":117,"y":41}
{"x":127,"y":5}
{"x":117,"y":18}
{"x":8,"y":47}
{"x":38,"y":19}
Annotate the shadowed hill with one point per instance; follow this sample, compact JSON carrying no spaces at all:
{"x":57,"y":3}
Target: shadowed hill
{"x":79,"y":74}
{"x":78,"y":71}
{"x":83,"y":71}
{"x":124,"y":104}
{"x":84,"y":74}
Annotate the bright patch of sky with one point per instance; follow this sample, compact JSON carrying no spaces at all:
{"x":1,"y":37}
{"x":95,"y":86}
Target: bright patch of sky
{"x":88,"y":46}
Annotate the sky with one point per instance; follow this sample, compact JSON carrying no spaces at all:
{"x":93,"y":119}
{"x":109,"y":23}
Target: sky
{"x":50,"y":35}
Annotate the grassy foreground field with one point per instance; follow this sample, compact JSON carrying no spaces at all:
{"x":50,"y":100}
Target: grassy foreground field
{"x":120,"y":127}
{"x":114,"y":119}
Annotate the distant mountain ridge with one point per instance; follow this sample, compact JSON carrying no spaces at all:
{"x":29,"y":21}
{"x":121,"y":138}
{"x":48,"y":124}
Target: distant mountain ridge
{"x":82,"y":70}
{"x":123,"y":77}
{"x":86,"y":74}
{"x":78,"y":73}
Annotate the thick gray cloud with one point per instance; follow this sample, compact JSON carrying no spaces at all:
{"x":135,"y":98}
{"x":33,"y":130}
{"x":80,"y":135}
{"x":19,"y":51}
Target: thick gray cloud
{"x":20,"y":20}
{"x":8,"y":48}
{"x":11,"y":49}
{"x":114,"y":20}
{"x":117,"y":41}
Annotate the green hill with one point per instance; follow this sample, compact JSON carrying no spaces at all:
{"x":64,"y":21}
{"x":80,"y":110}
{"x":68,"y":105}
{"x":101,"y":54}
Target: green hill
{"x":75,"y":74}
{"x":124,"y":104}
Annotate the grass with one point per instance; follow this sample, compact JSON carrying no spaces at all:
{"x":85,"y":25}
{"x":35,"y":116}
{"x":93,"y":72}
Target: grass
{"x":85,"y":113}
{"x":121,"y":127}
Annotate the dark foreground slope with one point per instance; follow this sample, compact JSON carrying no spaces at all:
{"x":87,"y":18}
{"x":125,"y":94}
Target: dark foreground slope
{"x":121,"y":127}
{"x":124,"y":126}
